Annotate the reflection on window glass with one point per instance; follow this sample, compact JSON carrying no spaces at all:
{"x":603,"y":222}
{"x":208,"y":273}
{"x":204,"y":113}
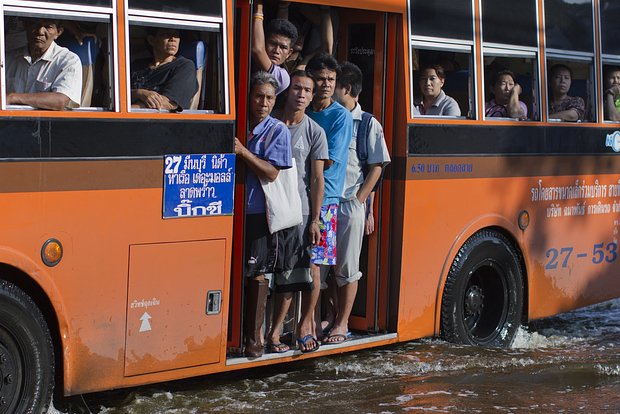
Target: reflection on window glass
{"x":442,"y":83}
{"x":570,"y":91}
{"x":610,"y":33}
{"x":69,"y":63}
{"x":175,"y":70}
{"x":511,"y":87}
{"x":442,"y":18}
{"x":509,"y":22}
{"x":201,"y":7}
{"x":100,"y":3}
{"x":569,"y":24}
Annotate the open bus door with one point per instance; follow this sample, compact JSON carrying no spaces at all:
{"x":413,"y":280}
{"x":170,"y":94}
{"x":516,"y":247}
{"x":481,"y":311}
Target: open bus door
{"x":368,"y":39}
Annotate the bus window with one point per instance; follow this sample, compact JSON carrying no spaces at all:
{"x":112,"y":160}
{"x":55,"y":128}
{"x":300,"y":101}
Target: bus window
{"x":610,"y":14}
{"x":569,"y":25}
{"x":194,"y":7}
{"x":611,"y":92}
{"x":570,"y":94}
{"x":83,"y":78}
{"x":502,"y":74}
{"x":451,"y":19}
{"x":453,"y":71}
{"x":99,"y":3}
{"x":176,"y":65}
{"x":509,"y":22}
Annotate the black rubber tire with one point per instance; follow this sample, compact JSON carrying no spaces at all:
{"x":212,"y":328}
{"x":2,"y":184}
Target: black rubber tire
{"x":26,"y":354}
{"x":482,"y":301}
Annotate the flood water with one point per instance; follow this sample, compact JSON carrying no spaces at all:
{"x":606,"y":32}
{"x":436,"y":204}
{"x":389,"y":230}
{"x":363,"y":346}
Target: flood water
{"x":565,"y":364}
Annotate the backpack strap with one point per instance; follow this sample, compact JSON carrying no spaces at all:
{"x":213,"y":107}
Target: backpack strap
{"x":363,"y":130}
{"x":363,"y":133}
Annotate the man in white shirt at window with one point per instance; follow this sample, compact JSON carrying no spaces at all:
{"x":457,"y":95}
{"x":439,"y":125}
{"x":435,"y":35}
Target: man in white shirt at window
{"x":44,"y":75}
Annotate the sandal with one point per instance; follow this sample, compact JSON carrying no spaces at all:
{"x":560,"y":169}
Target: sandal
{"x":277,"y":348}
{"x":302,"y":344}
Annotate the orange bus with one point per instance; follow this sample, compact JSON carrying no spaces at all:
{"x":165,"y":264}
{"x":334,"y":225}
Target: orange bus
{"x":114,"y":275}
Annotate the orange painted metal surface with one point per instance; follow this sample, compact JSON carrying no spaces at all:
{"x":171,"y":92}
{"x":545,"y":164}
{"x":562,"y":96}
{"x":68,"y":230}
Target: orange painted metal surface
{"x":441,"y":213}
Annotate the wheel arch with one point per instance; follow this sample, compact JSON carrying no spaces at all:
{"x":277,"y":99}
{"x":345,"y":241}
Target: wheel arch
{"x":22,"y":279}
{"x":491,"y":222}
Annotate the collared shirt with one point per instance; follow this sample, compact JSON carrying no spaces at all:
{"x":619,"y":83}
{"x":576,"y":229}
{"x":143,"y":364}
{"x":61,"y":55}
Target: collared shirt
{"x":57,"y":70}
{"x":444,"y":105}
{"x":377,"y":154}
{"x":277,"y":153}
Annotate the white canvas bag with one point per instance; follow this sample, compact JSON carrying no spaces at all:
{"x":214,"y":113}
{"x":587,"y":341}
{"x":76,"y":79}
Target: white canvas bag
{"x":282,"y":200}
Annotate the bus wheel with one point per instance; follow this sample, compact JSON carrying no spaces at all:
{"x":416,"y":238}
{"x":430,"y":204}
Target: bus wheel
{"x":483,"y":298}
{"x":26,"y":354}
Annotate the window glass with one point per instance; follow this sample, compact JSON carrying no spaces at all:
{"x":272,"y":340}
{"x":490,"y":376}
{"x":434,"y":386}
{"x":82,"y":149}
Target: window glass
{"x":190,"y":77}
{"x":442,"y":18}
{"x":501,"y":75}
{"x":569,"y":25}
{"x":100,"y":3}
{"x":456,"y":81}
{"x":509,"y":22}
{"x":85,"y":75}
{"x":201,"y":7}
{"x":610,"y":33}
{"x":570,"y":90}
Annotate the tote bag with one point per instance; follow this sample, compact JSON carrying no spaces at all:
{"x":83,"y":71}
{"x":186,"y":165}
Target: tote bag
{"x":282,"y":200}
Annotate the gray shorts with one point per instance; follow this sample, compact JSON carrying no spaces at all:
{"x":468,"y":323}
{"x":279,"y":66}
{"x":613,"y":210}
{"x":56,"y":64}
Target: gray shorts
{"x":351,"y":221}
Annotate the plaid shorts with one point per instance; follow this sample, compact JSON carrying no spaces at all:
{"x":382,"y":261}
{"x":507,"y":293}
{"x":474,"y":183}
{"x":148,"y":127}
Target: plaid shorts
{"x":325,"y":252}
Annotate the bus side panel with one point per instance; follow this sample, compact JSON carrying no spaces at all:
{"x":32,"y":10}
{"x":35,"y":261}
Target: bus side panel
{"x":97,"y":210}
{"x":570,"y":260}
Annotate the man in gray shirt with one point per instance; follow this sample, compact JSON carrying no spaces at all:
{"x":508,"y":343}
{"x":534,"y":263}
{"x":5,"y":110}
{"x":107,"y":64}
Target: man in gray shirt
{"x":309,"y":145}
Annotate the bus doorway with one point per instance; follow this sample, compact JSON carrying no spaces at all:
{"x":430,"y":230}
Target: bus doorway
{"x":363,"y":40}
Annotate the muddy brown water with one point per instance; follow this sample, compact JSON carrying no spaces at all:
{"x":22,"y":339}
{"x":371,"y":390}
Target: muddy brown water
{"x":565,"y":364}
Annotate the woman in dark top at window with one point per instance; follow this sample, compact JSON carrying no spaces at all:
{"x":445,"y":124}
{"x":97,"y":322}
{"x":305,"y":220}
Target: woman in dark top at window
{"x":166,"y":81}
{"x":562,"y":106}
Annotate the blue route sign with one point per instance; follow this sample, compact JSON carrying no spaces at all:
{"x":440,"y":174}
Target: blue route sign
{"x":198,"y":185}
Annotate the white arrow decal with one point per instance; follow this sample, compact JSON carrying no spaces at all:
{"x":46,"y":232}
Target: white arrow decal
{"x":146,"y":324}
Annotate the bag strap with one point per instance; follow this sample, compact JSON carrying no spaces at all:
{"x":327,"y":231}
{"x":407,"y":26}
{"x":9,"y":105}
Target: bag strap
{"x":363,"y":130}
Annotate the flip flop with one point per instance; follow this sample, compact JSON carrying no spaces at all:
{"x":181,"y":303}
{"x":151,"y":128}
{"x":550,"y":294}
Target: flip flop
{"x":301,"y":343}
{"x":335,"y":339}
{"x":277,"y":348}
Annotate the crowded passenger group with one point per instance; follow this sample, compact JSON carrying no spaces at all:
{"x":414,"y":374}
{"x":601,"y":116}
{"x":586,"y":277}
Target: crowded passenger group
{"x":338,"y":152}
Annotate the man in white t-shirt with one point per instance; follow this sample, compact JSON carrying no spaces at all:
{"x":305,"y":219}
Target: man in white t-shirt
{"x":43,"y":74}
{"x":309,"y":146}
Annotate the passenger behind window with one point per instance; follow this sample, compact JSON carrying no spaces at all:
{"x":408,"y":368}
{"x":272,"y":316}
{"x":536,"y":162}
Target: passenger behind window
{"x":434,"y":100}
{"x":165,"y":81}
{"x":505,"y":102}
{"x":612,"y":93}
{"x":43,"y":74}
{"x":562,"y":106}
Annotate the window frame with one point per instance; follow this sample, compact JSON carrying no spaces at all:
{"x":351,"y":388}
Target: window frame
{"x":71,"y":12}
{"x":181,"y":21}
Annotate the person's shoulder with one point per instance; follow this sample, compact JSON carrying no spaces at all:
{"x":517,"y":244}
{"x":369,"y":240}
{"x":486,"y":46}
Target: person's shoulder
{"x":185,"y":63}
{"x":315,"y":129}
{"x":64,"y":55}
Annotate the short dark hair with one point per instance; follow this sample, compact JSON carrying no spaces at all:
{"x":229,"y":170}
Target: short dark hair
{"x":609,"y":69}
{"x":351,"y":77}
{"x":498,"y":75}
{"x":560,"y":66}
{"x":301,"y":73}
{"x":439,"y":70}
{"x":323,"y":61}
{"x":282,"y":27}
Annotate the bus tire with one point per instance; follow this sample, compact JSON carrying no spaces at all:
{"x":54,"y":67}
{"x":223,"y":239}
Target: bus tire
{"x":26,"y":354}
{"x":482,"y":300}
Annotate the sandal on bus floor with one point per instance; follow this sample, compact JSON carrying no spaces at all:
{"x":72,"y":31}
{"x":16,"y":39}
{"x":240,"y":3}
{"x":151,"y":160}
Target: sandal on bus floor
{"x":335,"y":339}
{"x":277,"y":348}
{"x":302,"y":343}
